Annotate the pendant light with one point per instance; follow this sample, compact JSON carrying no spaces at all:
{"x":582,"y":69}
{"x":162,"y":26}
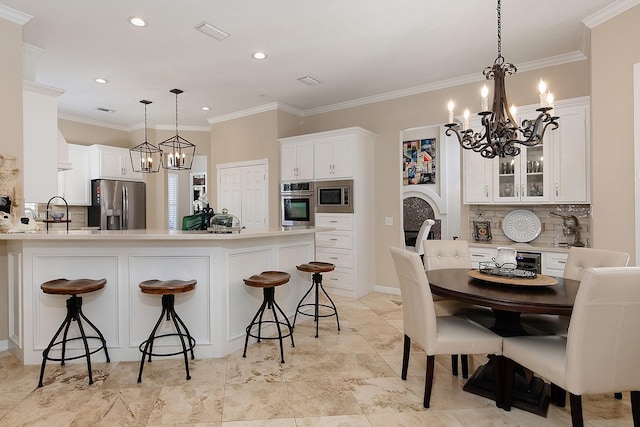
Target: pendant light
{"x":145,"y":158}
{"x":177,"y":152}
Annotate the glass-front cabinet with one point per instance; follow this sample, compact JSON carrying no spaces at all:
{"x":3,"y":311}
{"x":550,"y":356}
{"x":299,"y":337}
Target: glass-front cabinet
{"x":523,"y":178}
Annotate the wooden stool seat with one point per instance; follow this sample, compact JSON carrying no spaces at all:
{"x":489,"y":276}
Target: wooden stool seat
{"x":268,"y":279}
{"x":316,"y":267}
{"x":72,"y":287}
{"x":168,"y":289}
{"x":74,"y":314}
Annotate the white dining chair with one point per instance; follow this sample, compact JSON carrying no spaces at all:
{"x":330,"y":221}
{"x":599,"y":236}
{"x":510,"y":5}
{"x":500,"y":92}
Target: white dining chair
{"x":436,"y":335}
{"x":444,"y":254}
{"x":599,"y":353}
{"x":423,"y":233}
{"x":578,"y":261}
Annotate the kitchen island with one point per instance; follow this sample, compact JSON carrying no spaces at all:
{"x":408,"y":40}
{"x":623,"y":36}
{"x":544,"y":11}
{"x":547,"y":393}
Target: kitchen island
{"x":216,"y":313}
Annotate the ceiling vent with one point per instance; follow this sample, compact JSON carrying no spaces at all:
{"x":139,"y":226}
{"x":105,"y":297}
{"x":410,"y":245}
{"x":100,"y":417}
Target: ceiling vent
{"x":105,"y":110}
{"x":308,"y":80}
{"x":212,"y":31}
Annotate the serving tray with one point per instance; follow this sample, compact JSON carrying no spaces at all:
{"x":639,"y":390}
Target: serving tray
{"x":539,"y":280}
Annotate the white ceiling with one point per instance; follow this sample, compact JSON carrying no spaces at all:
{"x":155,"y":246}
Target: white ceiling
{"x":356,"y":48}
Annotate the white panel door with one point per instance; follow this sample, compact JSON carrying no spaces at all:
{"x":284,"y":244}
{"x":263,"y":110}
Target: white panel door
{"x":230,"y":191}
{"x":254,"y":197}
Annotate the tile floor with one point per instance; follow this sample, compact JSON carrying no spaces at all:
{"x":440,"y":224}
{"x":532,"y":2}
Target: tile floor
{"x":346,"y":378}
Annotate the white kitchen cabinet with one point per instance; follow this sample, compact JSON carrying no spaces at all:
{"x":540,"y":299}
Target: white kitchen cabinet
{"x":553,"y":263}
{"x":479,"y":255}
{"x":336,"y":247}
{"x":296,"y":161}
{"x":334,"y":157}
{"x":40,"y":136}
{"x":75,"y":184}
{"x":112,"y":163}
{"x":477,"y":175}
{"x":571,"y":154}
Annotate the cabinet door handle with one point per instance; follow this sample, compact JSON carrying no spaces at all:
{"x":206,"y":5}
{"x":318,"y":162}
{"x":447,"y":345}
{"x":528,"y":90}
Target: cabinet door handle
{"x":557,"y":188}
{"x":335,"y":240}
{"x":333,"y":257}
{"x":486,"y":191}
{"x":562,"y":262}
{"x":334,"y":221}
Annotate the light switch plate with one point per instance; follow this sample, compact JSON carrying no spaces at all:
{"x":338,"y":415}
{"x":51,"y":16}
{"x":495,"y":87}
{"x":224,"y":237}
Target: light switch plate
{"x":388,"y":220}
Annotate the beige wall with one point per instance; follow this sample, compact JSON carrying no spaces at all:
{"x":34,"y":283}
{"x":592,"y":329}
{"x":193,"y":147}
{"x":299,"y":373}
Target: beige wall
{"x":614,"y":51}
{"x":11,"y":125}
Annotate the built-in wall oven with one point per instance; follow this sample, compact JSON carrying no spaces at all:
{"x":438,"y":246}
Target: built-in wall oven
{"x":297,"y":206}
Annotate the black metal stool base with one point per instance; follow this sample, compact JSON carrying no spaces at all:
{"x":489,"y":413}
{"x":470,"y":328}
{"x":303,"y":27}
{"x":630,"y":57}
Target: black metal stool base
{"x":317,"y":285}
{"x":146,"y":347}
{"x":269,"y":302}
{"x":74,"y":313}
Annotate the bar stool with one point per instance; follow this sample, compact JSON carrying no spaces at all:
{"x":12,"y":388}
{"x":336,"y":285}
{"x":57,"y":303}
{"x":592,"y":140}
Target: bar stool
{"x":317,"y":268}
{"x":74,"y":313}
{"x":168,"y":289}
{"x":268,"y":280}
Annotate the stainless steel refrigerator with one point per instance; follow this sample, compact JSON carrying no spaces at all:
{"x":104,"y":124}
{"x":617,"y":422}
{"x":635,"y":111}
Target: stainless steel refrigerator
{"x":118,"y":205}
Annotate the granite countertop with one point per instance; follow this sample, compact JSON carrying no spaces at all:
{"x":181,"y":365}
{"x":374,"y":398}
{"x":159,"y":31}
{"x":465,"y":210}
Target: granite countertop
{"x":158,"y":234}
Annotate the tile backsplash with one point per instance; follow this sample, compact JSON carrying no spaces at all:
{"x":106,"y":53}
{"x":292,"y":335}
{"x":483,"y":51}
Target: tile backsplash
{"x":77,"y":214}
{"x":552,"y":234}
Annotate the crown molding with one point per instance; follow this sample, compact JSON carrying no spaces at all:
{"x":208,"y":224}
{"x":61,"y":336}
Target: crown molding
{"x":182,"y":128}
{"x":41,"y":89}
{"x":609,"y":12}
{"x":13,"y":15}
{"x":255,"y":110}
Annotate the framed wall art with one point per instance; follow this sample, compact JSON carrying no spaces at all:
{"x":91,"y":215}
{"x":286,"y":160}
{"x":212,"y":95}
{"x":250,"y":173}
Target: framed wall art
{"x":419,"y":161}
{"x":482,"y":230}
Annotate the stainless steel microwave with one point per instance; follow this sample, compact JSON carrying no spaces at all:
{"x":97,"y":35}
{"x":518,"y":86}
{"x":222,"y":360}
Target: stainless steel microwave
{"x":334,"y":196}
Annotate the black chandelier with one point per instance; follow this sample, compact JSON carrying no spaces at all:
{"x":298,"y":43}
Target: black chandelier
{"x":146,"y":157}
{"x":500,"y":132}
{"x":179,"y":152}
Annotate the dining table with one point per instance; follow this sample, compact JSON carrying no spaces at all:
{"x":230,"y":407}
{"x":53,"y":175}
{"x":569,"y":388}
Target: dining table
{"x":508,"y":299}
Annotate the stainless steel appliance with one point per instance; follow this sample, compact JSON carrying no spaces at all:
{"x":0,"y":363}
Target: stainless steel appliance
{"x":334,"y":196}
{"x":297,"y":204}
{"x":529,"y":260}
{"x":117,"y":205}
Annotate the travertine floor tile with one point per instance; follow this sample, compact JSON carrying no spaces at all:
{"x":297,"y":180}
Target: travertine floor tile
{"x":322,"y":397}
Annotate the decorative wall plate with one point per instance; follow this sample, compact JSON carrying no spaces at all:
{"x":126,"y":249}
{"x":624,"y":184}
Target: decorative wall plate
{"x":521,"y":225}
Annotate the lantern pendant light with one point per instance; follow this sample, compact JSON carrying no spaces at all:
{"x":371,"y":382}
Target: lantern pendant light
{"x":177,"y":152}
{"x":146,"y":157}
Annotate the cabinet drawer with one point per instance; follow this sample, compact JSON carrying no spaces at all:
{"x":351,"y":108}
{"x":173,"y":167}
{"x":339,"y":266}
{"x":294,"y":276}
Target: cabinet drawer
{"x":340,"y":278}
{"x":338,"y":257}
{"x":335,"y":239}
{"x":555,"y":261}
{"x":339,"y":222}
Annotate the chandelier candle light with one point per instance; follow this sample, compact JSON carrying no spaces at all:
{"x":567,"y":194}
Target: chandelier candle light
{"x":145,"y":158}
{"x":500,"y":132}
{"x":180,"y":152}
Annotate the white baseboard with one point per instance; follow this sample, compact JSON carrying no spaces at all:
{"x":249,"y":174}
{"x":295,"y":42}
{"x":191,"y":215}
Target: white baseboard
{"x":4,"y":345}
{"x":387,"y":290}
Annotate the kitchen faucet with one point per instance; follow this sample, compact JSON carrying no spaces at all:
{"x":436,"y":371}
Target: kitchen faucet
{"x":33,"y":213}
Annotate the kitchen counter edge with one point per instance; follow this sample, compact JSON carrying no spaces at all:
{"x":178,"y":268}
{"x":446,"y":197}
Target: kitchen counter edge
{"x":159,"y":234}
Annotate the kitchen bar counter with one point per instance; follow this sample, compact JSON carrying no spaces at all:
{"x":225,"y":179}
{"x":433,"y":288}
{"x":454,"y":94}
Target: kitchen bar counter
{"x":216,"y":312}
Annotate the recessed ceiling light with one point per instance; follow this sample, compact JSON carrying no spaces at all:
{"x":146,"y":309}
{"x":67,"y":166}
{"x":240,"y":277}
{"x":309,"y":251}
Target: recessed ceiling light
{"x":205,"y":108}
{"x":138,"y":22}
{"x":259,"y":55}
{"x":308,"y":80}
{"x":101,"y":80}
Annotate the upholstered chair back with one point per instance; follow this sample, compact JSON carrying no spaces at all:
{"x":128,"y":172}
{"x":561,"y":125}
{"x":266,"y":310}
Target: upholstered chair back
{"x":603,"y":342}
{"x":439,"y":254}
{"x":417,"y":305}
{"x":580,"y":259}
{"x":423,"y":233}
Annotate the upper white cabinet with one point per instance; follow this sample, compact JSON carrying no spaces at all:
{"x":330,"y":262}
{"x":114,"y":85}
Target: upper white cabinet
{"x":112,"y":163}
{"x":40,"y":133}
{"x":556,"y":171}
{"x":570,"y":146}
{"x":296,"y":161}
{"x":333,"y":157}
{"x":75,"y":184}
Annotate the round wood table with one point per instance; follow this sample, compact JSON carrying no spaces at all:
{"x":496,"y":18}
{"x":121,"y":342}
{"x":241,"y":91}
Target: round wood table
{"x":508,"y":302}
